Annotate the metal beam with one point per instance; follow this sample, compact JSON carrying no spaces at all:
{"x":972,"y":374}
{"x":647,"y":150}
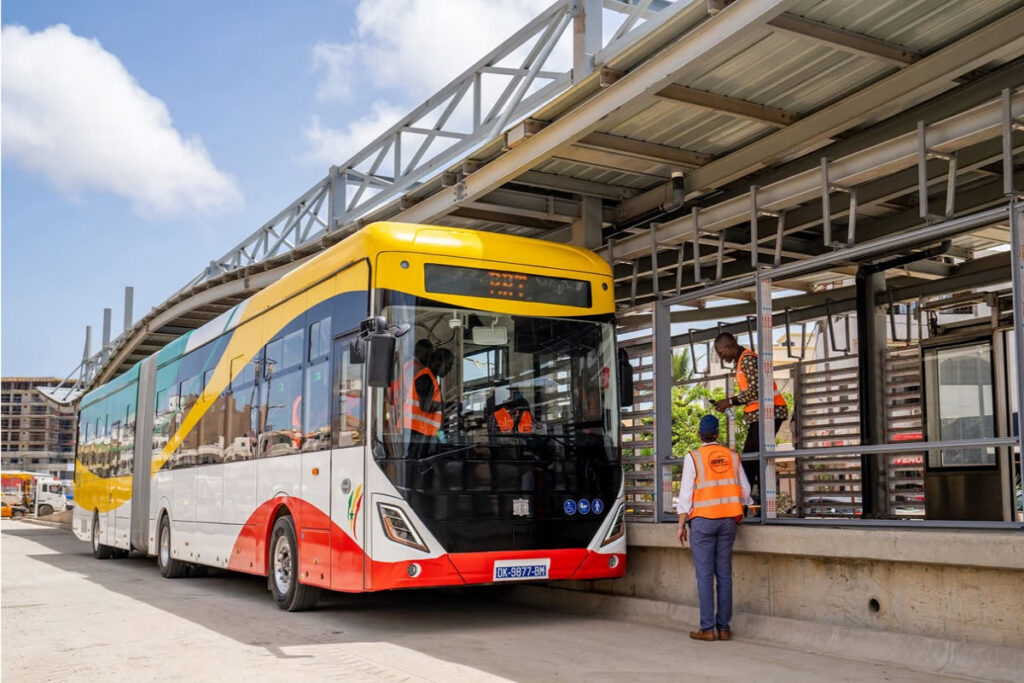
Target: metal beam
{"x":742,"y":23}
{"x":955,"y":133}
{"x":608,"y":159}
{"x":922,"y":79}
{"x":847,"y":41}
{"x":586,"y":188}
{"x":751,"y":111}
{"x":645,"y":150}
{"x":499,"y":214}
{"x":936,"y":109}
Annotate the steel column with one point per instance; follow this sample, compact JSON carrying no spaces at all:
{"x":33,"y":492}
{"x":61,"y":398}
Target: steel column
{"x":766,"y":380}
{"x":663,"y":380}
{"x":1017,"y":276}
{"x":129,"y":296}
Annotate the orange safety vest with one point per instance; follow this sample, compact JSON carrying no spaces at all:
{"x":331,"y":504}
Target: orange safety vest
{"x":409,"y":370}
{"x":507,"y":423}
{"x":716,"y":492}
{"x":414,"y":417}
{"x":742,"y":384}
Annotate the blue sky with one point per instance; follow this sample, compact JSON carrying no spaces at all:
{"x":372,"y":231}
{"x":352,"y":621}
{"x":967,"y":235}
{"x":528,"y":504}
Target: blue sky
{"x":142,"y":140}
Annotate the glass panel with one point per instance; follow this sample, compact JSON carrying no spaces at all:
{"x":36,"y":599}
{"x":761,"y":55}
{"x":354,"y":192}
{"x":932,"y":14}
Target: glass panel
{"x":317,"y":418}
{"x":519,"y":376}
{"x":320,"y":338}
{"x":273,"y":359}
{"x":348,"y":427}
{"x":188,"y":452}
{"x":211,"y":428}
{"x":960,"y":402}
{"x":282,"y":432}
{"x":292,"y":349}
{"x":238,"y":431}
{"x":243,"y":372}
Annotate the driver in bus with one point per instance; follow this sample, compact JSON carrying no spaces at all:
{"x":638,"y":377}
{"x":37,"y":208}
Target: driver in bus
{"x":422,"y":412}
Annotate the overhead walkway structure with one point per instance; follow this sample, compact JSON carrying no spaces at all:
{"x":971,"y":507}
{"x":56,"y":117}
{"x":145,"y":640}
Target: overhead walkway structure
{"x":734,"y":161}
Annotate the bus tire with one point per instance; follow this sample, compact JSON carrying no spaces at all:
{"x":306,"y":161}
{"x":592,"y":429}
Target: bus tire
{"x":288,"y":593}
{"x":197,"y":571}
{"x":169,"y":567}
{"x":45,"y":510}
{"x":99,"y":551}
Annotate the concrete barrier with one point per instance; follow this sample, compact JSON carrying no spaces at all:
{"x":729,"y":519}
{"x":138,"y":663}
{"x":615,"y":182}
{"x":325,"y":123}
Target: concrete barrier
{"x":940,"y":601}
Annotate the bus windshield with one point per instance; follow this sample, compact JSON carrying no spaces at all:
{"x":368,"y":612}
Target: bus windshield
{"x":465,"y":377}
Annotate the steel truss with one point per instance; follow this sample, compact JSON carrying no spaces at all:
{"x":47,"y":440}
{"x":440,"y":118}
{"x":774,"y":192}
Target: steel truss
{"x":503,"y":87}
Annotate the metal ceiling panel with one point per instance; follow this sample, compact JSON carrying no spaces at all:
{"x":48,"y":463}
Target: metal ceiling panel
{"x":919,"y":25}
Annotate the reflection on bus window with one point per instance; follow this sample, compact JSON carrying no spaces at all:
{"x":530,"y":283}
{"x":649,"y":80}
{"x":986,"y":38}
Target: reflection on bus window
{"x":316,"y":419}
{"x":282,"y":431}
{"x":348,"y":383}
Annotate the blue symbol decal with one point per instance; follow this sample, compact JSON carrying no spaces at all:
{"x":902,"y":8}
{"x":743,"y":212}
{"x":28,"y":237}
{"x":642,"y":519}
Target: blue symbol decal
{"x":569,"y":506}
{"x":584,"y":506}
{"x":597,"y":506}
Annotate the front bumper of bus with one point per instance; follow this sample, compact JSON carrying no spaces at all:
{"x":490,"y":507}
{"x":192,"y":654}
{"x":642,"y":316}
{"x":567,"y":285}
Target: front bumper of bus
{"x":480,"y":568}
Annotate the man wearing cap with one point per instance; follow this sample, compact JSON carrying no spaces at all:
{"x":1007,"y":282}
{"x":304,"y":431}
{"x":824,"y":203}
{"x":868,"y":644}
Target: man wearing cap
{"x":711,"y":498}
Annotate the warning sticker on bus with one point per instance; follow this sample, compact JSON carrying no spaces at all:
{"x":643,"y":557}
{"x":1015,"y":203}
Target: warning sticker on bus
{"x":521,"y":570}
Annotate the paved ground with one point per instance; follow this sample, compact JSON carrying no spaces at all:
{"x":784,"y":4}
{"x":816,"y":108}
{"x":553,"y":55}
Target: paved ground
{"x":68,"y":616}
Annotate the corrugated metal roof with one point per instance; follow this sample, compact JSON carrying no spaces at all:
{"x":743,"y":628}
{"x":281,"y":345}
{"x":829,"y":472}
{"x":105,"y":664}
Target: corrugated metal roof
{"x":687,"y":127}
{"x":793,"y":73}
{"x":920,"y":25}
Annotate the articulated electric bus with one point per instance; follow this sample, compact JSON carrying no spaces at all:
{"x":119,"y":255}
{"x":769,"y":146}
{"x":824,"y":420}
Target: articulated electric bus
{"x":280,"y":438}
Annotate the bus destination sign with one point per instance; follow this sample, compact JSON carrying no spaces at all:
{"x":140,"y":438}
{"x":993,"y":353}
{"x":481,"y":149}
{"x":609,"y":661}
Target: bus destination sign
{"x":502,"y":284}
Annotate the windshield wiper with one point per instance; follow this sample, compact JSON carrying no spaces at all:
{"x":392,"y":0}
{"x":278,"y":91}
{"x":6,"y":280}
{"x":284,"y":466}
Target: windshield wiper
{"x":442,"y":456}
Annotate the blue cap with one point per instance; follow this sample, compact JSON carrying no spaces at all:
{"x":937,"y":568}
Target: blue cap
{"x":708,"y":425}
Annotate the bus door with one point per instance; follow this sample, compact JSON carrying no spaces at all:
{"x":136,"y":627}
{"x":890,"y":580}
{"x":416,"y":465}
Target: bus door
{"x":348,"y":426}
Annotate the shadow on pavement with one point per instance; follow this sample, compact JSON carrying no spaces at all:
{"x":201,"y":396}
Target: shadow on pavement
{"x":432,"y":621}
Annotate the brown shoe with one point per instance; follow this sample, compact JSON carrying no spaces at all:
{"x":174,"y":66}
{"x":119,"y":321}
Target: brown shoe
{"x":724,"y":635}
{"x":703,"y":635}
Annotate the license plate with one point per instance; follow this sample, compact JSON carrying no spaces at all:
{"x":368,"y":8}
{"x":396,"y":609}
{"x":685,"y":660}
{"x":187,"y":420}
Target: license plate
{"x":521,"y":570}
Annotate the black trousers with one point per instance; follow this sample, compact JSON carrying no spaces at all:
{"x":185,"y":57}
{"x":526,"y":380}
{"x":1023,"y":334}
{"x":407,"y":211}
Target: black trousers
{"x":752,"y":445}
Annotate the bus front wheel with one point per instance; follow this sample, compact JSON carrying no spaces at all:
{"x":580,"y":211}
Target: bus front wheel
{"x":288,"y":593}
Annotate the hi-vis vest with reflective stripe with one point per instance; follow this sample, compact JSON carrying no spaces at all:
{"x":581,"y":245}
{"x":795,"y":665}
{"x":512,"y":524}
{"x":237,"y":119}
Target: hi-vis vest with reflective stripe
{"x":414,"y":417}
{"x":716,"y":492}
{"x":742,"y":384}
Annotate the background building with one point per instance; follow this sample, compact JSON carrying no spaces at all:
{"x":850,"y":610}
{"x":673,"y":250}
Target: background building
{"x":36,"y":435}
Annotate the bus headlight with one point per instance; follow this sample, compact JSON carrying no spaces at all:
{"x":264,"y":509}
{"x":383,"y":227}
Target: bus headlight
{"x":618,"y":527}
{"x":398,"y":527}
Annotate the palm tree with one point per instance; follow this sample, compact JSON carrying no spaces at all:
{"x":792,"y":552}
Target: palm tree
{"x":682,"y":370}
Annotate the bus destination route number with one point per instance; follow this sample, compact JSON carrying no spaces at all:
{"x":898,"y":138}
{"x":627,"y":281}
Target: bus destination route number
{"x":508,"y":285}
{"x":519,"y":570}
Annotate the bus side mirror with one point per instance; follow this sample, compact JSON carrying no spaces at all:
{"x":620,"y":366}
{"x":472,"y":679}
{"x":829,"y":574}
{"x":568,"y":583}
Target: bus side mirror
{"x":625,"y":380}
{"x":375,"y":346}
{"x":380,"y":359}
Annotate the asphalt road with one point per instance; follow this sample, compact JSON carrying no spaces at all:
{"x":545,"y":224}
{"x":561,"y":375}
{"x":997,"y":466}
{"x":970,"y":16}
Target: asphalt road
{"x":67,"y":616}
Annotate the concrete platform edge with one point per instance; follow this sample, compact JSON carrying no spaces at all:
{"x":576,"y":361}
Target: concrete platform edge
{"x":931,"y":655}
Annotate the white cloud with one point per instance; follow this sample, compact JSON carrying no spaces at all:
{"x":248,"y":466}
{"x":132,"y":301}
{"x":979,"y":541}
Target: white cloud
{"x":334,"y":146}
{"x":336,"y":61}
{"x":406,"y":50}
{"x":72,"y":112}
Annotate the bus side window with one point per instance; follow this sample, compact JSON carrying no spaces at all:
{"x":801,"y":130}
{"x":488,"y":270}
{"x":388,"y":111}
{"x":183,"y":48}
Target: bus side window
{"x":211,"y":426}
{"x":282,"y":432}
{"x":128,"y":436}
{"x":348,"y":396}
{"x":239,"y":410}
{"x":317,"y":392}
